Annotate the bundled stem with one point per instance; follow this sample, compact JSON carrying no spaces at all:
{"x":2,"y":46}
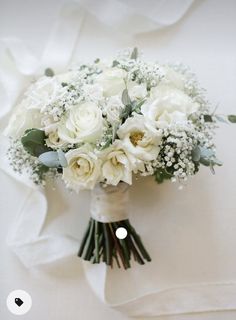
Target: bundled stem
{"x":100,"y":243}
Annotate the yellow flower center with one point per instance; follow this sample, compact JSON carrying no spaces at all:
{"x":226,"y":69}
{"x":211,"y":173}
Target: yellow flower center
{"x":135,"y":137}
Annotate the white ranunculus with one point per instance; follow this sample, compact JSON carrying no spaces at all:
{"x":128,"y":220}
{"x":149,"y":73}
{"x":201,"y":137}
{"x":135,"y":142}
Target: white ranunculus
{"x":112,"y":81}
{"x":113,"y":109}
{"x":82,"y":123}
{"x":168,"y":106}
{"x":116,"y":165}
{"x":140,"y":139}
{"x":23,"y":119}
{"x":83,"y":170}
{"x":94,"y":91}
{"x":137,"y":91}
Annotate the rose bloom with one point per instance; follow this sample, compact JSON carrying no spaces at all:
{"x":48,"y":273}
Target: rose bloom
{"x":112,"y":80}
{"x":22,"y":119}
{"x":140,"y":139}
{"x":116,"y":165}
{"x":82,"y":123}
{"x":168,"y":106}
{"x":83,"y":170}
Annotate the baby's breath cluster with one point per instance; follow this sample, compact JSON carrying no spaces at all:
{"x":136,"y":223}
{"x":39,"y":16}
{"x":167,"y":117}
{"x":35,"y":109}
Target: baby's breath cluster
{"x":23,"y":163}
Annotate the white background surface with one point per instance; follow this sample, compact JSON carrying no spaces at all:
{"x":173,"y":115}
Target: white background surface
{"x":205,"y":40}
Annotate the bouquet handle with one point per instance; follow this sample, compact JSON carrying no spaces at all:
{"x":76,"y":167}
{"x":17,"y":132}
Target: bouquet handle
{"x":100,"y":242}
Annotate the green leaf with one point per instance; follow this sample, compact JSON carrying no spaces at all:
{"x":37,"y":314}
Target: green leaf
{"x":125,"y":98}
{"x":126,"y":112}
{"x":53,"y":159}
{"x":62,"y":158}
{"x":196,"y":154}
{"x":115,"y":63}
{"x":136,"y":106}
{"x":221,"y":119}
{"x":206,"y":153}
{"x":134,"y":54}
{"x":50,"y":159}
{"x":232,"y":118}
{"x":161,"y":175}
{"x":208,"y":118}
{"x":49,"y":72}
{"x":33,"y":142}
{"x":208,"y":158}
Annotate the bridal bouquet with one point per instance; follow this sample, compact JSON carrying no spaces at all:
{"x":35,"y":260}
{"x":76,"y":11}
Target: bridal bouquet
{"x":99,"y":125}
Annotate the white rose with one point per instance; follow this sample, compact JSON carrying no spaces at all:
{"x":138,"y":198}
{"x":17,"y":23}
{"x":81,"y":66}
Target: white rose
{"x":83,"y":170}
{"x":168,"y":106}
{"x":113,"y":109}
{"x":137,"y":91}
{"x":23,"y":119}
{"x":116,"y":166}
{"x":140,"y":139}
{"x":112,"y":81}
{"x":82,"y":123}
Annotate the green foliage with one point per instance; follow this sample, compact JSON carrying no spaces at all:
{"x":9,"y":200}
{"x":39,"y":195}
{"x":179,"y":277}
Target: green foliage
{"x":161,"y":175}
{"x":196,"y":154}
{"x":33,"y":142}
{"x":53,"y":159}
{"x":232,"y":118}
{"x":134,"y":54}
{"x":208,"y":118}
{"x":49,"y":72}
{"x":205,"y":157}
{"x":115,"y":63}
{"x":125,"y":98}
{"x":220,"y":118}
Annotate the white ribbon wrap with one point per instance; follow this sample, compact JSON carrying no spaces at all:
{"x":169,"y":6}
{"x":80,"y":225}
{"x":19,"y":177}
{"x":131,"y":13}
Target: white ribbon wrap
{"x":110,"y":204}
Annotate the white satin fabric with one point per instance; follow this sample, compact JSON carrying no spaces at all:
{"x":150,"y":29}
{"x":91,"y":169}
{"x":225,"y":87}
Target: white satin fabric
{"x":171,"y":283}
{"x":110,"y":204}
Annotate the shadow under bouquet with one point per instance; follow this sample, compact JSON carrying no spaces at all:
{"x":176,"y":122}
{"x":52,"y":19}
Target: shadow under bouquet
{"x":98,"y":125}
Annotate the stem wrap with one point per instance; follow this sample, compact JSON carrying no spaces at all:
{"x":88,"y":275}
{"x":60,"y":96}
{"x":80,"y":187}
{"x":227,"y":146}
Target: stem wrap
{"x":110,"y":204}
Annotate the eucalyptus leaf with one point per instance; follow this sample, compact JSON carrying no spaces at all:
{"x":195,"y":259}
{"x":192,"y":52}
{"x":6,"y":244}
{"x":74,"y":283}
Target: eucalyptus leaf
{"x":134,"y":54}
{"x":221,"y":119}
{"x":196,"y":154}
{"x":232,"y":118}
{"x":125,"y":98}
{"x":161,"y":175}
{"x":49,"y":72}
{"x":115,"y":63}
{"x":50,"y":159}
{"x":126,"y":112}
{"x":136,"y":106}
{"x":208,"y":118}
{"x":206,"y":152}
{"x":62,"y":158}
{"x":33,"y":142}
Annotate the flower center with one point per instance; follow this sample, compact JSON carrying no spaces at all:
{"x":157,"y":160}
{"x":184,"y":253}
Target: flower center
{"x":135,"y":137}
